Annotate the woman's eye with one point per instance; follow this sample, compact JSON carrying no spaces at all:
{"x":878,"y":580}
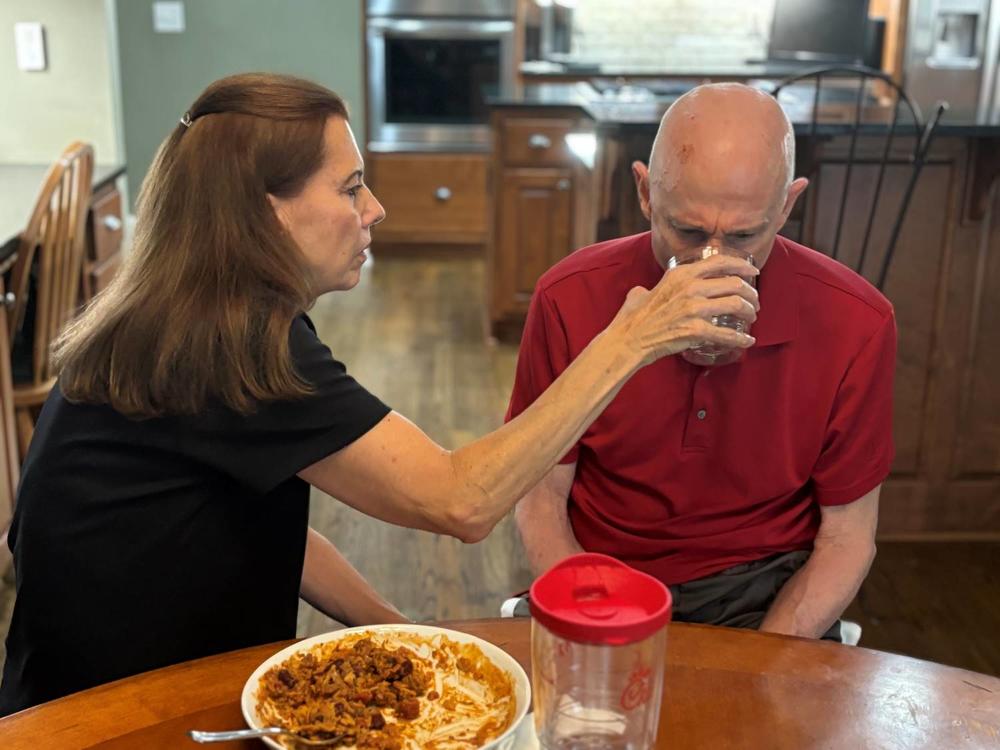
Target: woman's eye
{"x":353,"y":192}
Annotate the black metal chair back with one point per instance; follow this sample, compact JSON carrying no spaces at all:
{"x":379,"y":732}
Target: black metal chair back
{"x":857,"y":125}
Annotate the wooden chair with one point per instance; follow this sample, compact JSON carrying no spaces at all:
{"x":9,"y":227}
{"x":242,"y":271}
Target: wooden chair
{"x":51,"y":249}
{"x":9,"y":460}
{"x":904,"y":111}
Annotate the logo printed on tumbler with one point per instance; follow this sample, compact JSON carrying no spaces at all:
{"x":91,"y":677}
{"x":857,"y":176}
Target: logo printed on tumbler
{"x":547,"y":670}
{"x":639,"y":689}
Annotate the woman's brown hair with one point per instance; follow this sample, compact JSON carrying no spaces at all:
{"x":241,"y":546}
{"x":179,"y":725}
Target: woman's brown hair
{"x":201,"y":309}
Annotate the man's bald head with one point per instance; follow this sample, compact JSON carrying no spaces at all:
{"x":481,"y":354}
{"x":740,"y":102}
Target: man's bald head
{"x":720,"y":173}
{"x":724,"y":132}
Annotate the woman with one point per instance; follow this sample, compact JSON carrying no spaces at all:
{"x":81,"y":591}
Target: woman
{"x":162,"y":514}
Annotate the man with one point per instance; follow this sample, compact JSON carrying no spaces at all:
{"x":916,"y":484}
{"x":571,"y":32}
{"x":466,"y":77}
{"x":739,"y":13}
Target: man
{"x":750,"y":488}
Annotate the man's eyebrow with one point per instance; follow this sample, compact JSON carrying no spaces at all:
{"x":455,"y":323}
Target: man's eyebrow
{"x":357,"y":174}
{"x":685,"y":227}
{"x":750,"y":230}
{"x":682,"y":226}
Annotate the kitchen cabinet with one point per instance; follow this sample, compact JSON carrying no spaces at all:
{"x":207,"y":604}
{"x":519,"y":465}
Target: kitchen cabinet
{"x":105,"y":229}
{"x":541,"y":200}
{"x":430,"y":198}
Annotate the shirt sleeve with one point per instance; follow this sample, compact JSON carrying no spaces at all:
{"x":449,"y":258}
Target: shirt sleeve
{"x":543,"y":356}
{"x":280,"y":438}
{"x":859,"y":450}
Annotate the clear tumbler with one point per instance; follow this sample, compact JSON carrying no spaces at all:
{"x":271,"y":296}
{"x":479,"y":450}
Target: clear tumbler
{"x":709,"y":353}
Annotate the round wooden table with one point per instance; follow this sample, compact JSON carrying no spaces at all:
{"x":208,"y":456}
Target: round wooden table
{"x":724,"y":689}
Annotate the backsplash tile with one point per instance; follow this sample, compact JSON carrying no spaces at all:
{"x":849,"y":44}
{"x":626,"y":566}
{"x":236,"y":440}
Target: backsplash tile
{"x":655,"y":32}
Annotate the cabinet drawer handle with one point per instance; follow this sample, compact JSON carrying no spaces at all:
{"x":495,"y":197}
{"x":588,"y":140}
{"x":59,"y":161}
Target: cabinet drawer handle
{"x":563,"y":184}
{"x":443,"y":194}
{"x":539,"y":141}
{"x":111,"y":223}
{"x":8,"y":300}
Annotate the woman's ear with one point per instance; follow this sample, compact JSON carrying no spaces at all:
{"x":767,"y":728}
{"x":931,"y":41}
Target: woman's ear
{"x":281,"y":210}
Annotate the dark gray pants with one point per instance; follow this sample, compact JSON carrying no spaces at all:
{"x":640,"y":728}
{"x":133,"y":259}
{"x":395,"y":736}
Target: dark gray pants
{"x":740,"y":596}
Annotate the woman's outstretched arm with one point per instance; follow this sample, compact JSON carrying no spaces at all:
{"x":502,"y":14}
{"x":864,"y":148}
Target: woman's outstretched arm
{"x":398,"y":474}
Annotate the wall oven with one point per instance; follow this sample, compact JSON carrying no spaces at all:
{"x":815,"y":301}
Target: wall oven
{"x":432,"y":64}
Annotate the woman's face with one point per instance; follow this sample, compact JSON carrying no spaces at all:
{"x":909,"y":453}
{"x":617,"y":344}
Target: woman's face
{"x":331,"y":218}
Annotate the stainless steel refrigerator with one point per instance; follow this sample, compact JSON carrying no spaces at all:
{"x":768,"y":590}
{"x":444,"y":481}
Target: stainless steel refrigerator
{"x":952,"y":54}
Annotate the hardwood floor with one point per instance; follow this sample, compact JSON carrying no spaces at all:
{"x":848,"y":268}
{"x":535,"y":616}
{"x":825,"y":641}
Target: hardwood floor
{"x":412,"y":333}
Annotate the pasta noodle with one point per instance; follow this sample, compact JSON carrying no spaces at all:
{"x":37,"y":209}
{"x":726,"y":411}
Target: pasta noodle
{"x":390,"y":691}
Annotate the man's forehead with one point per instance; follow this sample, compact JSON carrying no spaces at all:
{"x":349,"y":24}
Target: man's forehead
{"x":692,"y":205}
{"x":731,"y":213}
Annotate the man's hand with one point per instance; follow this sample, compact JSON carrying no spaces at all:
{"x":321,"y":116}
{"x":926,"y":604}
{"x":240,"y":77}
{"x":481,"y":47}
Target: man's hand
{"x":819,"y":592}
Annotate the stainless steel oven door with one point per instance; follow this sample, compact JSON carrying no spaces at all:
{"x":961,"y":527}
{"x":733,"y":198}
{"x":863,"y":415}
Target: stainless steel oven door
{"x":428,"y":80}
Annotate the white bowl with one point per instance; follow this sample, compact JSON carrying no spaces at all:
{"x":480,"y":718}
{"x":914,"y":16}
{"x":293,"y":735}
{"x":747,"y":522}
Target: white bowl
{"x":522,"y":688}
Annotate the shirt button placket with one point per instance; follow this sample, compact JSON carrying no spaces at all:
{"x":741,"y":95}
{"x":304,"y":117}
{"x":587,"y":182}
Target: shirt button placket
{"x":696,"y":435}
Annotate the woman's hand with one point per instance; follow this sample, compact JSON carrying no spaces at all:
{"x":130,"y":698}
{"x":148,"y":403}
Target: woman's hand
{"x":677,"y":313}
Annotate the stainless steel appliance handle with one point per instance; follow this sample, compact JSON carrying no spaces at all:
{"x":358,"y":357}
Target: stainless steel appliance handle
{"x":435,"y":28}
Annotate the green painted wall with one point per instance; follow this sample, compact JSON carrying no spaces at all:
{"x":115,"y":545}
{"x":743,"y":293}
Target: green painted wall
{"x":161,"y":74}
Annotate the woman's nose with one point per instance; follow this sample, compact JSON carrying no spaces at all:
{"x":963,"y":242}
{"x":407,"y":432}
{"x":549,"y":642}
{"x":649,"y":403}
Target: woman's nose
{"x":375,"y":211}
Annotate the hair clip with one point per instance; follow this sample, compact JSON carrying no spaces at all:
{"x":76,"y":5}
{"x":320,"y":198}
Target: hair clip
{"x":186,"y":120}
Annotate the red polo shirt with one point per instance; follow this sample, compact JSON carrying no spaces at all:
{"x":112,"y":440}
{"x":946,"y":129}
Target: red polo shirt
{"x":691,"y":470}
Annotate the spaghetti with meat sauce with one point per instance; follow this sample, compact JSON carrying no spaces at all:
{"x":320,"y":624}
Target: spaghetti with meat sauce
{"x":393,"y":691}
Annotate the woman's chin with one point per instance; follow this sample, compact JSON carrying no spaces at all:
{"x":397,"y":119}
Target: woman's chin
{"x":349,"y":280}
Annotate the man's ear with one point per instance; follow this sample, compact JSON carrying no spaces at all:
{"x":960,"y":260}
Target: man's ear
{"x":641,"y":175}
{"x":796,"y":189}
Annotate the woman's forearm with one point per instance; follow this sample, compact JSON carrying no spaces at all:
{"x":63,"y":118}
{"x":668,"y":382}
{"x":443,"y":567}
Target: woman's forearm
{"x":397,"y":473}
{"x":541,"y":435}
{"x":332,"y":585}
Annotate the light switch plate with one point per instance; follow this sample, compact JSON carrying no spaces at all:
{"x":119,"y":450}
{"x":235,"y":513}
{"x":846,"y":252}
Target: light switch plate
{"x":29,"y":41}
{"x":168,"y":17}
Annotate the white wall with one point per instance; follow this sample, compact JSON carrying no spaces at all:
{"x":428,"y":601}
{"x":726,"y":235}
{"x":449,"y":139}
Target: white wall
{"x":72,"y":100}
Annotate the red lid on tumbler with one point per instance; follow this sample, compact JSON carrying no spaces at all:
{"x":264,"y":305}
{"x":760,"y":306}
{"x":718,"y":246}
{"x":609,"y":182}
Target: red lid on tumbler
{"x":593,"y":598}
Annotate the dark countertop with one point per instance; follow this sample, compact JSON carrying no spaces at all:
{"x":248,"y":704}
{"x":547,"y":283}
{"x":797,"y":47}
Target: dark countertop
{"x":536,"y":69}
{"x":610,"y":114}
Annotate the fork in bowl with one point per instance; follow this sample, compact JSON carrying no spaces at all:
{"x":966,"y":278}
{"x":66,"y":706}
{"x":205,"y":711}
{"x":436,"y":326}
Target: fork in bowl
{"x":248,"y":734}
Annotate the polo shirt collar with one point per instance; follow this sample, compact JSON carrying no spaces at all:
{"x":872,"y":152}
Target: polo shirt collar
{"x":778,"y":319}
{"x":777,"y":285}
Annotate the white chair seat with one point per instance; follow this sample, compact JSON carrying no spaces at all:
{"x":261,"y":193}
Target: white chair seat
{"x":850,"y":632}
